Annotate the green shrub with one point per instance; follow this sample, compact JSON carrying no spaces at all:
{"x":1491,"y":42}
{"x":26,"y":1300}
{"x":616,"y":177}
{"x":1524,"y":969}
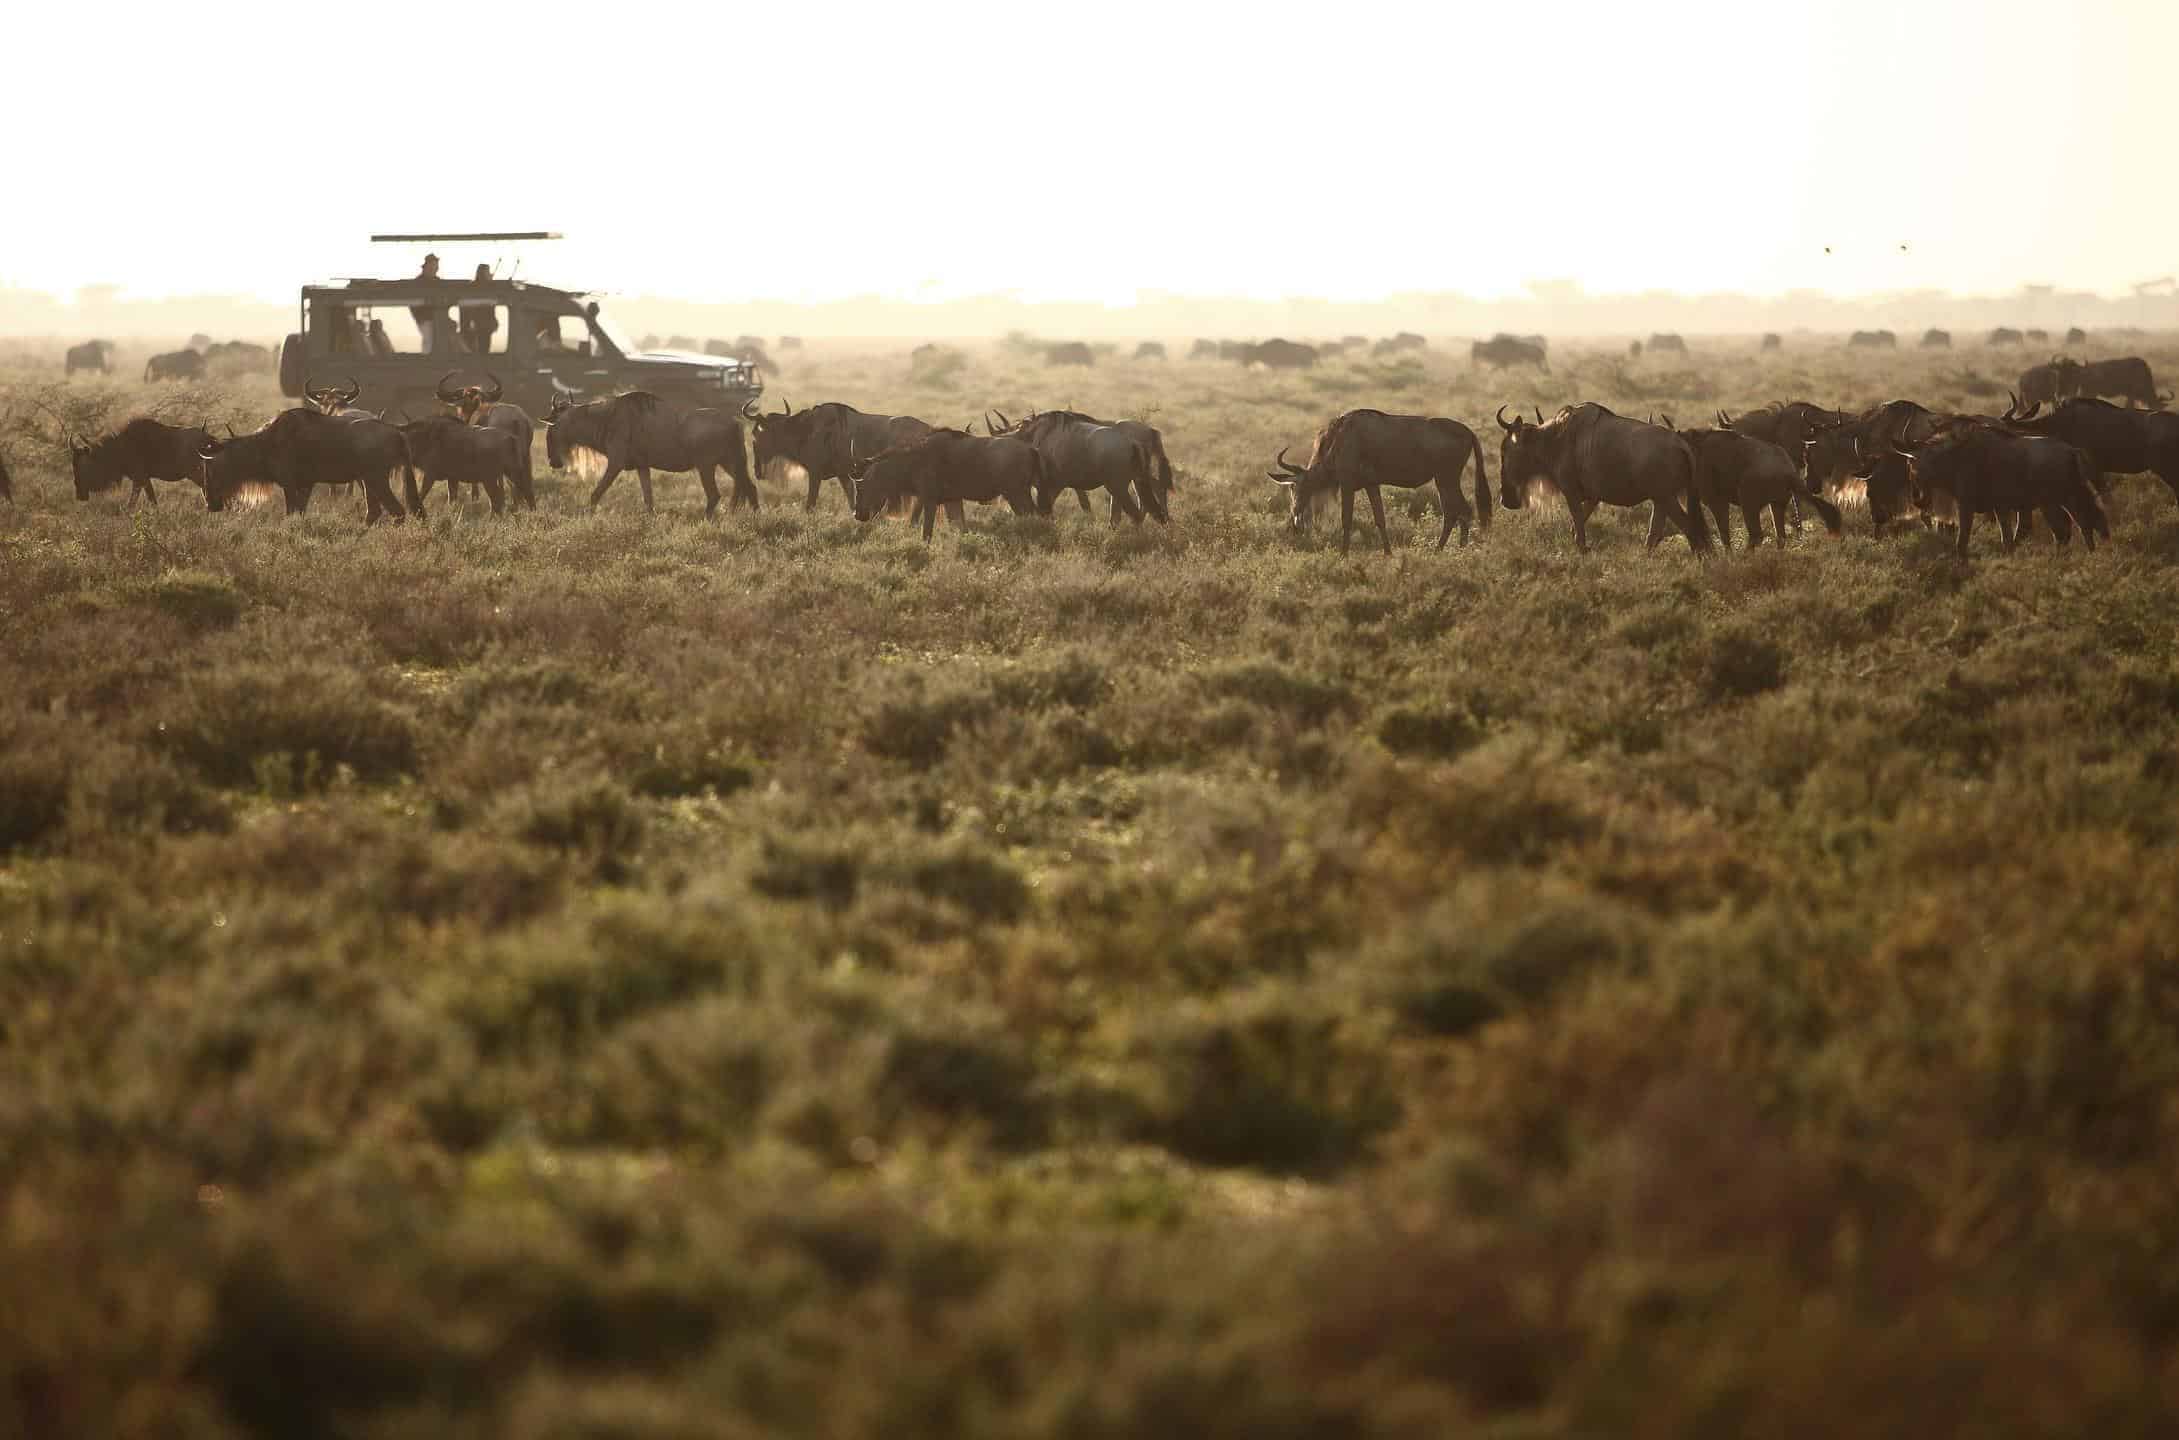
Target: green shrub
{"x":291,"y":723}
{"x":199,"y":600}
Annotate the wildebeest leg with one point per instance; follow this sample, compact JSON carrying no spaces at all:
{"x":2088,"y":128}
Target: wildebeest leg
{"x":2007,"y":522}
{"x":1679,"y":517}
{"x":1778,"y":518}
{"x":1722,"y":512}
{"x":416,"y":501}
{"x":1657,"y":530}
{"x":817,"y":483}
{"x":2061,"y":524}
{"x":955,"y":516}
{"x":711,"y":490}
{"x":1446,"y":495}
{"x":1967,"y":525}
{"x":605,"y":483}
{"x":143,"y":488}
{"x":929,"y":506}
{"x":643,"y":478}
{"x":1752,"y":515}
{"x":1083,"y":497}
{"x":382,"y":498}
{"x":496,"y":493}
{"x":298,"y":498}
{"x":1580,"y":516}
{"x":1346,"y":513}
{"x":1377,"y":510}
{"x":1123,"y":501}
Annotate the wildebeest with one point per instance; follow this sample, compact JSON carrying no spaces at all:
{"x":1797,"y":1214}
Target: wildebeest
{"x":90,"y":355}
{"x":2116,"y":440}
{"x":1083,"y":453}
{"x":946,"y":467}
{"x":1735,"y":468}
{"x":1150,"y":350}
{"x":238,"y":357}
{"x":1502,"y":350}
{"x":1787,"y":424}
{"x":1667,"y":342}
{"x":824,"y":440}
{"x":1203,"y":350}
{"x":483,"y":408}
{"x":1634,"y":349}
{"x":2039,"y":383}
{"x":1771,"y":341}
{"x":1984,"y":470}
{"x":2128,"y":378}
{"x":1365,"y":450}
{"x":174,"y":365}
{"x":1935,"y":339}
{"x":300,"y":449}
{"x":1864,"y":447}
{"x":140,"y":452}
{"x":1593,"y":458}
{"x":1354,"y":342}
{"x":1070,"y":352}
{"x":2005,"y":335}
{"x":444,"y":447}
{"x":1399,"y":344}
{"x":1872,"y":340}
{"x":2076,"y":336}
{"x":331,"y":400}
{"x":1279,"y":355}
{"x":640,"y":432}
{"x":2037,"y":337}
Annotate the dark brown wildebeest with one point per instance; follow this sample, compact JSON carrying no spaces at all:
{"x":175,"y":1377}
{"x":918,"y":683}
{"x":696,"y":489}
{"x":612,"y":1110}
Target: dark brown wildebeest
{"x":640,"y":432}
{"x":1984,"y":470}
{"x":444,"y":447}
{"x":1667,"y":342}
{"x":94,"y":355}
{"x":1071,"y":352}
{"x":1934,"y":339}
{"x":2039,"y":383}
{"x":1279,"y":355}
{"x":1125,"y":459}
{"x":1872,"y":340}
{"x":1400,"y":344}
{"x":1634,"y":349}
{"x":238,"y":357}
{"x":1502,"y":350}
{"x":1863,"y":447}
{"x":1203,"y":350}
{"x":1789,"y":425}
{"x":140,"y":452}
{"x":1735,"y":468}
{"x":481,"y":407}
{"x":1771,"y":341}
{"x":2128,"y":378}
{"x":946,"y":467}
{"x":825,"y":439}
{"x":1150,"y":350}
{"x":2036,"y":337}
{"x":2117,"y":441}
{"x":2004,"y":335}
{"x":1365,"y":450}
{"x":332,"y":400}
{"x":174,"y":365}
{"x":2076,"y":336}
{"x":1593,"y":458}
{"x":300,"y":449}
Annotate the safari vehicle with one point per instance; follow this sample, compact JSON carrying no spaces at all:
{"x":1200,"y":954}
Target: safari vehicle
{"x":398,"y":338}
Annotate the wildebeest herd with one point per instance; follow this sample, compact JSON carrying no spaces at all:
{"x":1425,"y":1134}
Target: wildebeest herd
{"x":2050,"y":451}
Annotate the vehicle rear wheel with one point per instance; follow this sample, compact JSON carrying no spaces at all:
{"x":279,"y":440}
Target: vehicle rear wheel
{"x":291,"y":367}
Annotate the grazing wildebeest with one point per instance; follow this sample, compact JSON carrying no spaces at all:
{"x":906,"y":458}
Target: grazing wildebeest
{"x":482,"y":408}
{"x":1279,"y":355}
{"x":1863,"y":447}
{"x":1126,"y":459}
{"x":2005,"y":335}
{"x":2076,"y":336}
{"x":1593,"y":458}
{"x":640,"y":432}
{"x":1667,"y":342}
{"x":2128,"y":378}
{"x":1872,"y":340}
{"x":1984,"y":470}
{"x":238,"y":357}
{"x":90,"y":355}
{"x":1771,"y":341}
{"x":444,"y":447}
{"x":1735,"y":468}
{"x":1364,"y":450}
{"x":1203,"y":350}
{"x":2116,"y":440}
{"x":825,"y":439}
{"x":1150,"y":350}
{"x":2039,"y":384}
{"x":300,"y":449}
{"x":1934,"y":339}
{"x":140,"y":452}
{"x":945,"y":468}
{"x":174,"y":365}
{"x":2037,"y":337}
{"x":1071,"y":352}
{"x":1502,"y":350}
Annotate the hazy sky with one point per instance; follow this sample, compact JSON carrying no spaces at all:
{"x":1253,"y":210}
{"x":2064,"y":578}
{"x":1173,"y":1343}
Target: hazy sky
{"x":812,"y":151}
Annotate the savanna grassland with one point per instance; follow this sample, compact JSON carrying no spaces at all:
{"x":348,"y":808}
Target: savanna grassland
{"x":623,"y":976}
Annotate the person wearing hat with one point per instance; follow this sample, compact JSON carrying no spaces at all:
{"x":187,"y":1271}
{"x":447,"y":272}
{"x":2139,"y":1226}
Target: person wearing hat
{"x":427,"y":317}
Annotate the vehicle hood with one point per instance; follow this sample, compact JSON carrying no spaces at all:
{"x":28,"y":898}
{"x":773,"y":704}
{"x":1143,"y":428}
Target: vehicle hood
{"x":683,"y":357}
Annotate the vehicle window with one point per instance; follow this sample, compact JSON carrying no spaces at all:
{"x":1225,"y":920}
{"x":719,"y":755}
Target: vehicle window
{"x":373,"y":331}
{"x":481,"y":328}
{"x":567,"y":334}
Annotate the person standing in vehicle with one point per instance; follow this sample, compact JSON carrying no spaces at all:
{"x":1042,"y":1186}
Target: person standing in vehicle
{"x":428,"y":318}
{"x":479,"y":321}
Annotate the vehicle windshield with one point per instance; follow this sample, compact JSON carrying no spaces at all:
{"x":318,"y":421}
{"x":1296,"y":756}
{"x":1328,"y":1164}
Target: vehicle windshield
{"x":613,"y":334}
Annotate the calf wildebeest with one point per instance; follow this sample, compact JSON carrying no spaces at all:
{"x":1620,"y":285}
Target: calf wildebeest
{"x":2116,"y":440}
{"x":1365,"y":450}
{"x":1667,"y":342}
{"x":1934,"y":339}
{"x":482,"y":408}
{"x":1863,"y":447}
{"x":1735,"y":468}
{"x":2039,"y":383}
{"x":174,"y":365}
{"x":1593,"y":458}
{"x":1771,"y":341}
{"x":140,"y":452}
{"x":824,"y":440}
{"x":640,"y":432}
{"x":1279,"y":355}
{"x":90,"y":355}
{"x":2005,"y":335}
{"x":945,"y":468}
{"x":1203,"y":350}
{"x":1872,"y":340}
{"x":1984,"y":470}
{"x":1082,"y":453}
{"x":300,"y":449}
{"x":1070,"y":352}
{"x":1150,"y":350}
{"x":2128,"y":378}
{"x":1502,"y":350}
{"x":444,"y":447}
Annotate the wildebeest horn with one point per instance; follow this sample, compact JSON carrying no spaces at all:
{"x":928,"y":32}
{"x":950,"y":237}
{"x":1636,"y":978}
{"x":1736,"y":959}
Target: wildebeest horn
{"x":230,"y":430}
{"x":749,"y":408}
{"x":208,"y":450}
{"x":1539,"y":414}
{"x":444,"y":394}
{"x":1502,"y":419}
{"x":355,"y":388}
{"x":1723,"y":423}
{"x":497,"y":389}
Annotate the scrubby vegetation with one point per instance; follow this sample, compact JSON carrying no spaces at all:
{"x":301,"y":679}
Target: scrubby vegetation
{"x":582,"y":976}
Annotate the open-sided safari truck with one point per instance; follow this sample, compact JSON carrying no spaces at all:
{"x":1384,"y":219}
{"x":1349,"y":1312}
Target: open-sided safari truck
{"x":397,"y":338}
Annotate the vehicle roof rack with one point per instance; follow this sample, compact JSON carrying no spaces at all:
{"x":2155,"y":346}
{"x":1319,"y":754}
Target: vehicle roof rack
{"x":482,"y":235}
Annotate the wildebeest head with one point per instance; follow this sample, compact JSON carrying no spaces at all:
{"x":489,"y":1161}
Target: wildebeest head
{"x":1302,"y":487}
{"x":92,"y":472}
{"x":781,"y":434}
{"x":890,"y":474}
{"x":330,"y":398}
{"x":1524,"y":456}
{"x":556,"y":446}
{"x":469,"y":403}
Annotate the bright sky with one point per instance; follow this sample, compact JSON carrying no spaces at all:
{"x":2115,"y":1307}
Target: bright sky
{"x":811,"y":151}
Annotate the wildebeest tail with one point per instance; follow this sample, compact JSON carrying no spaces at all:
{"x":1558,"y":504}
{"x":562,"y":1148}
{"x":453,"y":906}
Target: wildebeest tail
{"x":1482,"y":483}
{"x":1833,"y":521}
{"x":1698,"y":528}
{"x":2085,"y":506}
{"x":1041,"y":490}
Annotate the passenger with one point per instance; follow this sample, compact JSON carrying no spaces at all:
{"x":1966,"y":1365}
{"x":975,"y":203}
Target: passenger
{"x":479,"y":320}
{"x":428,"y":318}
